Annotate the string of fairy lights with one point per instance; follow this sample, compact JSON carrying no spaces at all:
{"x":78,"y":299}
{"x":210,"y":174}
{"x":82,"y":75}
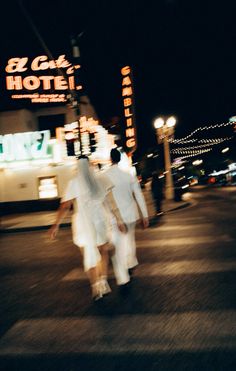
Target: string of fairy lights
{"x":202,"y":145}
{"x":208,"y":143}
{"x":193,"y":155}
{"x":176,"y":141}
{"x":195,"y":152}
{"x":199,"y":140}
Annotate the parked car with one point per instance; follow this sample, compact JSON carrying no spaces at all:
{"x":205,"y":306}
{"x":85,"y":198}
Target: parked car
{"x":181,"y":186}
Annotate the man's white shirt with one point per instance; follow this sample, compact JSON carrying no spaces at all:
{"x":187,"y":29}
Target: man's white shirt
{"x":126,"y":187}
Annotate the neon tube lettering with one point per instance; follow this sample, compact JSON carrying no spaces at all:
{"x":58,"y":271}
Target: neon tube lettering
{"x":14,"y":82}
{"x":16,"y":65}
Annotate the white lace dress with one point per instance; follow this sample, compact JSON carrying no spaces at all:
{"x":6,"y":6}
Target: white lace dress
{"x":90,"y":227}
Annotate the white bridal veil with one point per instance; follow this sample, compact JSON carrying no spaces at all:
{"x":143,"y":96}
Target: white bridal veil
{"x":87,"y":179}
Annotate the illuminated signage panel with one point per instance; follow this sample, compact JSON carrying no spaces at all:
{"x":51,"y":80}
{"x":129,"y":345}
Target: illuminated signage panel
{"x":41,"y":80}
{"x":128,"y":104}
{"x":25,"y":146}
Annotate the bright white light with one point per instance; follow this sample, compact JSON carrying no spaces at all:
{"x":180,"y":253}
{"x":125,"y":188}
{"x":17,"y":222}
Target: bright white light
{"x":232,"y":119}
{"x":185,"y":186}
{"x":232,"y":166}
{"x":49,"y":193}
{"x":158,"y":123}
{"x":71,"y":126}
{"x":215,"y":173}
{"x":150,"y":155}
{"x":171,"y":121}
{"x":197,"y":162}
{"x":57,"y":157}
{"x":69,"y":136}
{"x":48,"y":187}
{"x":181,"y":168}
{"x":225,"y":150}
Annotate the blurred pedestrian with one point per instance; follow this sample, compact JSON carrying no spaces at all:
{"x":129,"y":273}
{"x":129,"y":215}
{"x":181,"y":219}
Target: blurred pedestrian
{"x":157,"y":191}
{"x":88,"y":193}
{"x":127,"y":194}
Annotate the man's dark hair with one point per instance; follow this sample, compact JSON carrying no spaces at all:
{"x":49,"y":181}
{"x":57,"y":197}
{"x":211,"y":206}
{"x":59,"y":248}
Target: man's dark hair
{"x":115,"y":156}
{"x":82,"y":156}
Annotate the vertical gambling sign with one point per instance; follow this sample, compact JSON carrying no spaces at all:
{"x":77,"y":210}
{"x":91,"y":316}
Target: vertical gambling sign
{"x":128,"y":106}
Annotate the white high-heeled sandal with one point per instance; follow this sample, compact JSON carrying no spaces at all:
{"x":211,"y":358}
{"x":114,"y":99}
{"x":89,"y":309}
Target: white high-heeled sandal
{"x":96,"y":291}
{"x":104,"y":286}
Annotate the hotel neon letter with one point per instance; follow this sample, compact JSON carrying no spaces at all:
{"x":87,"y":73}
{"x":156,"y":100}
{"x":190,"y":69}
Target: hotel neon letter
{"x":31,"y":82}
{"x":14,"y":83}
{"x":16,"y":65}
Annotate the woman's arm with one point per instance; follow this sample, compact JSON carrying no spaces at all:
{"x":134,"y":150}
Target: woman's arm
{"x":111,"y":204}
{"x":61,"y":212}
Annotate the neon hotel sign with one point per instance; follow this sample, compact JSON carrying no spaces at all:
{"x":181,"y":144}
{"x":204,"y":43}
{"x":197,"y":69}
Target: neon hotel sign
{"x":128,"y":104}
{"x":35,"y":82}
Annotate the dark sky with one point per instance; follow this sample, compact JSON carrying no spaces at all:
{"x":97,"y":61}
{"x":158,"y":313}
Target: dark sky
{"x":183,"y":54}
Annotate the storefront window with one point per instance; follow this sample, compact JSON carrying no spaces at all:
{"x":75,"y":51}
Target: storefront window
{"x":47,"y":187}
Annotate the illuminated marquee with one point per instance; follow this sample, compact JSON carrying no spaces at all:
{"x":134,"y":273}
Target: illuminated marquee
{"x":88,"y":128}
{"x":128,"y":104}
{"x":95,"y":140}
{"x":16,"y":79}
{"x":25,"y":146}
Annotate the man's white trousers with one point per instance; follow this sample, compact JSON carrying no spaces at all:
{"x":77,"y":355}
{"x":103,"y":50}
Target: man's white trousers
{"x":124,"y":257}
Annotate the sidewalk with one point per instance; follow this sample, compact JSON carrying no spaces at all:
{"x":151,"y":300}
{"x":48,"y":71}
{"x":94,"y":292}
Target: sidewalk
{"x":44,"y":219}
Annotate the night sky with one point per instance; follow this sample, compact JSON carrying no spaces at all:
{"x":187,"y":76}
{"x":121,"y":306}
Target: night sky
{"x":183,"y":55}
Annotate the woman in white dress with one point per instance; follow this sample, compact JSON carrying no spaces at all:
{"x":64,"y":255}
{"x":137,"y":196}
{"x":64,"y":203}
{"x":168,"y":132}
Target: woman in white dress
{"x":90,"y":196}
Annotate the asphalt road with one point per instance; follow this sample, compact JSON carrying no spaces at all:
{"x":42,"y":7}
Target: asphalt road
{"x":180,"y":313}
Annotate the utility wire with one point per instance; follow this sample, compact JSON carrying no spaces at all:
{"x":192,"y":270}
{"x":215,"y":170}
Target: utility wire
{"x":72,"y":96}
{"x":44,"y":46}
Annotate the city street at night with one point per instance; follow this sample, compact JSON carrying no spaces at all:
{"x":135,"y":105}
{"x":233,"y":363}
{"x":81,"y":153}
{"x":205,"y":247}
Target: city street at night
{"x":179,"y":312}
{"x":117,"y":131}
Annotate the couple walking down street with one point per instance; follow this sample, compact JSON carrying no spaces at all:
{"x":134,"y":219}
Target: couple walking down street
{"x":104,"y":217}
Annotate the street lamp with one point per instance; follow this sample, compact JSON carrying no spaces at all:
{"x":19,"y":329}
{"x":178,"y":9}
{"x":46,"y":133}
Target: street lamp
{"x":164,"y":129}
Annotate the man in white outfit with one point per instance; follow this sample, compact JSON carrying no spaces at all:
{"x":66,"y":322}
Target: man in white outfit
{"x":127,"y":194}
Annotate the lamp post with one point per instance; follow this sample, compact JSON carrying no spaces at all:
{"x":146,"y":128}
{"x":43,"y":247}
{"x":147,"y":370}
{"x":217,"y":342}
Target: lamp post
{"x":75,"y":101}
{"x":164,"y":129}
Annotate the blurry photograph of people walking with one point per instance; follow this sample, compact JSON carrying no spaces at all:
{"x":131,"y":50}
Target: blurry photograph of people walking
{"x":90,"y":227}
{"x":117,"y":185}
